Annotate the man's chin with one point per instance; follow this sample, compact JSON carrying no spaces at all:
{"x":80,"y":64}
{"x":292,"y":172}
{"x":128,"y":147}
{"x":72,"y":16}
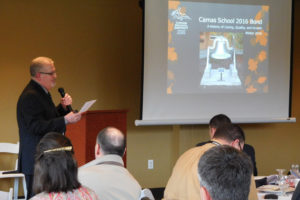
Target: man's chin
{"x":53,"y":85}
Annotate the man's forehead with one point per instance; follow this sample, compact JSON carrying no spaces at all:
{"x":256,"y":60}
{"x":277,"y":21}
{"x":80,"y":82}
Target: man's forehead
{"x":48,"y":66}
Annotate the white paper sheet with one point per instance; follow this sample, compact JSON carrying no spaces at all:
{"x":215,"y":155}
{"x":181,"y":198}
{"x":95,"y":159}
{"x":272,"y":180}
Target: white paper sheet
{"x":87,"y":105}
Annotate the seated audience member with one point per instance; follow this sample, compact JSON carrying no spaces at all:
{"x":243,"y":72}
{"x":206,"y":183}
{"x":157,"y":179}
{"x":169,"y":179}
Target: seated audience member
{"x":55,"y":171}
{"x":183,"y":183}
{"x":106,"y":175}
{"x":214,"y":124}
{"x":224,"y":174}
{"x":221,"y":119}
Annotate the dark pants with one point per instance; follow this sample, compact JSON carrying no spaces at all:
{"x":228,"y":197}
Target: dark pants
{"x":29,"y":181}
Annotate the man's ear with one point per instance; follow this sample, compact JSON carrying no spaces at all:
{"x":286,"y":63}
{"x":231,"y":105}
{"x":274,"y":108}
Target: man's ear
{"x":212,"y":132}
{"x":97,"y":150}
{"x":204,"y":194}
{"x":37,"y":75}
{"x":236,"y":144}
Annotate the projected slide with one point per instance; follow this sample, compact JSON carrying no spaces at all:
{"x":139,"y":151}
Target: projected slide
{"x":217,"y":48}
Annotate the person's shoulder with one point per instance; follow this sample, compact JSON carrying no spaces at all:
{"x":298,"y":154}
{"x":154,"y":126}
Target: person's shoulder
{"x":32,"y":89}
{"x":248,"y":147}
{"x":88,"y":170}
{"x":190,"y":151}
{"x":202,"y":143}
{"x":89,"y":164}
{"x":29,"y":97}
{"x":194,"y":152}
{"x":40,"y":196}
{"x":85,"y":189}
{"x":91,"y":194}
{"x":249,"y":150}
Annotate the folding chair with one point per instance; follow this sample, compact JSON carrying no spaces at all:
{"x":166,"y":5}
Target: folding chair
{"x":6,"y":195}
{"x":13,"y":149}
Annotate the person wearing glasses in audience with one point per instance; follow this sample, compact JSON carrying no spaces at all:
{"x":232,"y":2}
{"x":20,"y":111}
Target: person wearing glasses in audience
{"x":55,"y":171}
{"x":221,"y":119}
{"x":37,"y":114}
{"x":184,"y":184}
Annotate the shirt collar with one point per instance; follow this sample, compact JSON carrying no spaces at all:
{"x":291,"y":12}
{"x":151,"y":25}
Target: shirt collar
{"x":47,"y":92}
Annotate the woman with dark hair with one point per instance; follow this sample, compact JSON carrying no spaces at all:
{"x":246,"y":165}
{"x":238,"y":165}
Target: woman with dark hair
{"x":55,"y":171}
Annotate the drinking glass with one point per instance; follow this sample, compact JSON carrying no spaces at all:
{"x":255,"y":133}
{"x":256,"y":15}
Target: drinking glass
{"x":280,"y":173}
{"x":295,"y":169}
{"x":282,"y":181}
{"x":283,"y":185}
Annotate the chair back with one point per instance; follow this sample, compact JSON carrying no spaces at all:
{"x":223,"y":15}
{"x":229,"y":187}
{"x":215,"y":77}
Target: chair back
{"x":12,"y":174}
{"x":9,"y":148}
{"x":6,"y":195}
{"x":12,"y":149}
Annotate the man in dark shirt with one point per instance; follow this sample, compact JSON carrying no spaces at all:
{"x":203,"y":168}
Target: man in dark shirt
{"x":37,"y":114}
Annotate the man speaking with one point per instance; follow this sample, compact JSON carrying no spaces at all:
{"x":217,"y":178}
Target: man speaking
{"x":37,"y":114}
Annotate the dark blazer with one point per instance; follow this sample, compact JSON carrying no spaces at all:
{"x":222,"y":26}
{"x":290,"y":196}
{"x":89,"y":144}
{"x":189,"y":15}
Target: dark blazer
{"x":296,"y":194}
{"x":36,"y":115}
{"x":248,"y":149}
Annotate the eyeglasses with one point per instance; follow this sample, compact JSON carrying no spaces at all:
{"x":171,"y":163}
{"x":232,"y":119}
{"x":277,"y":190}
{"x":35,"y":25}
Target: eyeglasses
{"x":240,"y":146}
{"x":48,"y":73}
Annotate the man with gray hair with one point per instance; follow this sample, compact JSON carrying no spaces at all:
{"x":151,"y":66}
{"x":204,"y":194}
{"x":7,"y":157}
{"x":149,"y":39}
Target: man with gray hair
{"x":224,"y":174}
{"x":37,"y":114}
{"x":106,"y":175}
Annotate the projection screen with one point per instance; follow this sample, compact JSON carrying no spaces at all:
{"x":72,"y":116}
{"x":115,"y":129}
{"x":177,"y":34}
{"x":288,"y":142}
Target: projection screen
{"x":202,"y":58}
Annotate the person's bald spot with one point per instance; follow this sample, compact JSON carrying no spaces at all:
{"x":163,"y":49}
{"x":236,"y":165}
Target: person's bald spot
{"x":111,"y":141}
{"x":115,"y":136}
{"x":43,"y":61}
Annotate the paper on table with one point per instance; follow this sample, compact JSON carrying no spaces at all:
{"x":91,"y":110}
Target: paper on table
{"x":87,"y":105}
{"x":273,"y":189}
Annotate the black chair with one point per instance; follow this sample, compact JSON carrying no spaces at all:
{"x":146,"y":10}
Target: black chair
{"x":260,"y":182}
{"x":158,"y":193}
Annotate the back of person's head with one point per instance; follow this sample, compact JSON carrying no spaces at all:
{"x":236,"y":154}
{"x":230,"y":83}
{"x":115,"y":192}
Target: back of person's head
{"x":219,"y":120}
{"x":55,"y":168}
{"x":225,"y":173}
{"x":230,"y":132}
{"x":111,"y":141}
{"x":38,"y":63}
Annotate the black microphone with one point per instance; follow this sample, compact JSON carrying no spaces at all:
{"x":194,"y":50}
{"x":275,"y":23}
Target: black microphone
{"x":62,"y":93}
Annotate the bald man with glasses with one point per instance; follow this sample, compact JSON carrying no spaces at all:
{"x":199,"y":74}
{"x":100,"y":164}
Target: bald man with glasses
{"x":37,"y":114}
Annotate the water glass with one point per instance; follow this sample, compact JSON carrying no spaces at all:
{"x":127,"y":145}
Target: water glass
{"x":280,"y":174}
{"x":295,"y":168}
{"x":283,"y":185}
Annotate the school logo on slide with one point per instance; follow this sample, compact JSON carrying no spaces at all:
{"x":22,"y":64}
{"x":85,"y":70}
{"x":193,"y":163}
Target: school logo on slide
{"x":179,"y":15}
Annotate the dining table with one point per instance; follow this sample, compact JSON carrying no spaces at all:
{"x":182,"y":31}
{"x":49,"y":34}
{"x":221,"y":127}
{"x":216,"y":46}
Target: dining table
{"x":270,"y":188}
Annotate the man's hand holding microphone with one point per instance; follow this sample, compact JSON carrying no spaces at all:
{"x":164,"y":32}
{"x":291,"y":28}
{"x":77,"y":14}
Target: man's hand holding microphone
{"x":66,"y":101}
